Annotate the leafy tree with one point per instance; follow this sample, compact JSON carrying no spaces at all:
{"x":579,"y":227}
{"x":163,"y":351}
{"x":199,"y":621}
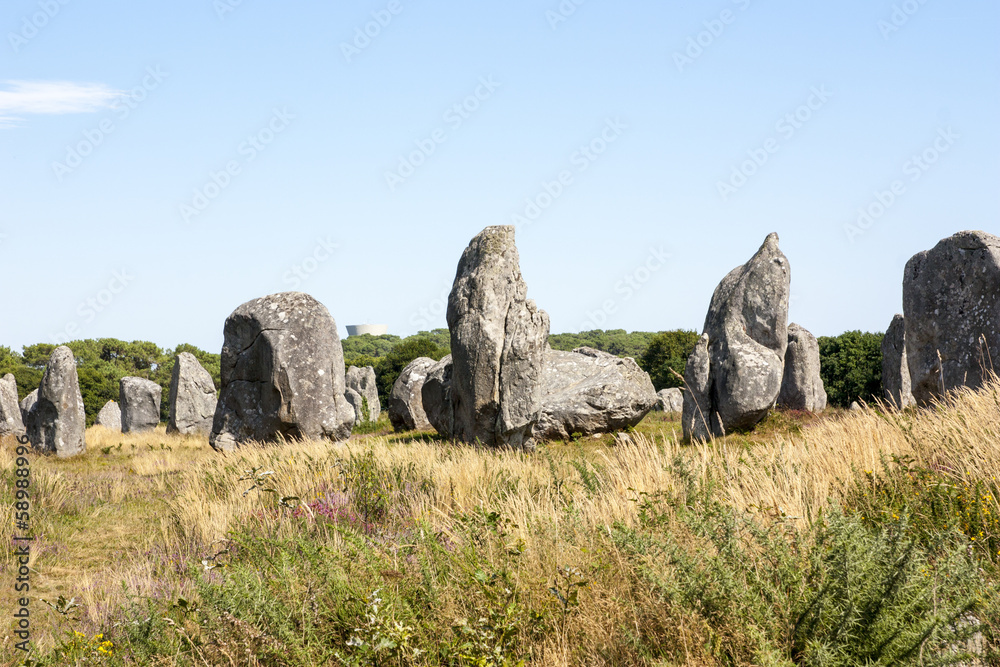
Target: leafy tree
{"x":851,"y":367}
{"x":614,"y":341}
{"x":368,"y":345}
{"x":668,"y":351}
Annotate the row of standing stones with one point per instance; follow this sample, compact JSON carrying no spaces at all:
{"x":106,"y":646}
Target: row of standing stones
{"x":283,"y":377}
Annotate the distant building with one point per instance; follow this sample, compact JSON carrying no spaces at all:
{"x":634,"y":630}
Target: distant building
{"x":361,"y":329}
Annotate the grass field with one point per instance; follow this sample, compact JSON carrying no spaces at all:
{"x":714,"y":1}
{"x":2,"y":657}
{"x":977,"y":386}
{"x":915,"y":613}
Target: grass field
{"x":848,"y":539}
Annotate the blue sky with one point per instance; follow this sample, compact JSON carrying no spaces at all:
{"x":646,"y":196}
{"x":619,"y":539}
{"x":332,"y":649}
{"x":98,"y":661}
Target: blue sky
{"x":162,"y":163}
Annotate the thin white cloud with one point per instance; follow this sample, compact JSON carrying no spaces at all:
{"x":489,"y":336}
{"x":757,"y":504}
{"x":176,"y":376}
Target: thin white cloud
{"x":51,"y":97}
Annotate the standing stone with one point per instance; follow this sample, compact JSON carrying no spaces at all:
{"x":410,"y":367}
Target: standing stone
{"x":802,"y":387}
{"x":11,"y":422}
{"x":436,"y":397}
{"x":406,"y":403}
{"x":282,"y":374}
{"x":26,"y":405}
{"x":670,"y":400}
{"x":498,"y":340}
{"x":110,"y":417}
{"x":139,"y":400}
{"x":57,"y":421}
{"x":587,"y":391}
{"x":697,"y":416}
{"x":951,"y":304}
{"x":895,"y":370}
{"x":747,"y":337}
{"x":192,"y":397}
{"x":362,"y":381}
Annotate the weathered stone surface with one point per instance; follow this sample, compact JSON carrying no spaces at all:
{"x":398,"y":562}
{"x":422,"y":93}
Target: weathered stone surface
{"x":895,"y":370}
{"x":11,"y":422}
{"x":110,"y":417}
{"x":139,"y":400}
{"x":587,"y":391}
{"x":362,"y":380}
{"x":436,"y":397}
{"x":57,"y":422}
{"x":697,"y":416}
{"x":670,"y":400}
{"x":192,"y":397}
{"x":282,"y":374}
{"x":498,"y":340}
{"x":406,"y":403}
{"x":747,"y":337}
{"x":356,"y":402}
{"x":26,"y":405}
{"x":801,"y":386}
{"x":855,"y":406}
{"x":951,"y":304}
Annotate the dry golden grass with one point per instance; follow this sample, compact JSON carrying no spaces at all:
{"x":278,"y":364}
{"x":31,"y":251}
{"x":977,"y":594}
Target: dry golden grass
{"x":144,"y":508}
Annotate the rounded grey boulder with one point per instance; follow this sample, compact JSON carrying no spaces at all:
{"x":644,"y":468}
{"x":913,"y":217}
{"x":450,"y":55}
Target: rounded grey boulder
{"x":139,"y":400}
{"x":27,"y":404}
{"x":11,"y":422}
{"x":282,"y":374}
{"x":436,"y":396}
{"x":362,"y":381}
{"x":110,"y":417}
{"x":802,"y":386}
{"x":951,"y":308}
{"x":57,"y":422}
{"x":192,"y":397}
{"x":587,"y":391}
{"x":670,"y":400}
{"x":406,"y":404}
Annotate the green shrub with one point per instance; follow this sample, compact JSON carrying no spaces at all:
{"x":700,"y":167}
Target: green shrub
{"x":851,"y":367}
{"x":666,"y":356}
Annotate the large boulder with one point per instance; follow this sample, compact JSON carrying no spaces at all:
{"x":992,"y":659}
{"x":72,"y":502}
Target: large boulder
{"x":670,"y":400}
{"x":801,"y":386}
{"x":895,"y":370}
{"x":192,"y":398}
{"x":282,"y":374}
{"x":747,"y":338}
{"x":11,"y":422}
{"x":139,"y":400}
{"x":406,"y":404}
{"x":110,"y":417}
{"x":951,"y":304}
{"x":26,"y":404}
{"x":362,"y":381}
{"x":436,"y":397}
{"x":587,"y":391}
{"x":57,"y":422}
{"x":498,"y":340}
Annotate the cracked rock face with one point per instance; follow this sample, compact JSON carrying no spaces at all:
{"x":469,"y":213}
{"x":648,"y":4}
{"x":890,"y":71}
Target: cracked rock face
{"x":895,"y":369}
{"x":587,"y":391}
{"x":498,"y":340}
{"x":362,"y":381}
{"x":11,"y":422}
{"x":139,"y":400}
{"x":26,"y":405}
{"x":406,"y":403}
{"x":56,"y":422}
{"x":282,"y":374}
{"x":671,"y":400}
{"x":951,"y":308}
{"x":110,"y":416}
{"x":735,"y":374}
{"x":802,"y":386}
{"x":192,"y":397}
